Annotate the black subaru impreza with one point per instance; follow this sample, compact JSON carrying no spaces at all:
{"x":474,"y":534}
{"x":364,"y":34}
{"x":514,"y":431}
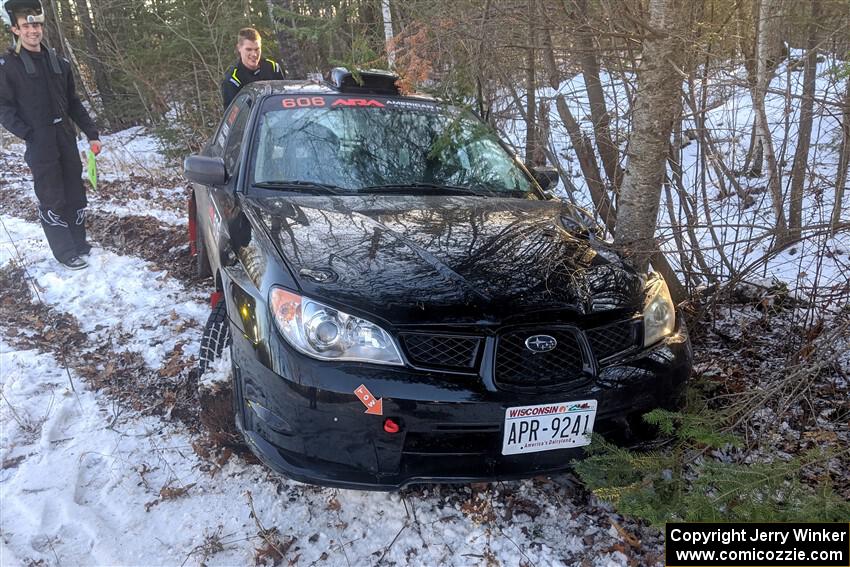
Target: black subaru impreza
{"x":405,"y":301}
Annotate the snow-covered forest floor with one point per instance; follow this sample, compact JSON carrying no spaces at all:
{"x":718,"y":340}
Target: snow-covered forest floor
{"x":105,"y":457}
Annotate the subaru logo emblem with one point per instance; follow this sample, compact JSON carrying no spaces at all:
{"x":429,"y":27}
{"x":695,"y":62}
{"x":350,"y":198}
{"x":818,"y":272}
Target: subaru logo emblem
{"x":540,"y":343}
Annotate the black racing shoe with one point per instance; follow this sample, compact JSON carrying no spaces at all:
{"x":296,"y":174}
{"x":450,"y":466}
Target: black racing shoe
{"x":75,"y":263}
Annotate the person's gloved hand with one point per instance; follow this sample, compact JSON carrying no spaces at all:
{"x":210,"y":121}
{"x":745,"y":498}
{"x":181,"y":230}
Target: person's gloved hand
{"x":95,"y":146}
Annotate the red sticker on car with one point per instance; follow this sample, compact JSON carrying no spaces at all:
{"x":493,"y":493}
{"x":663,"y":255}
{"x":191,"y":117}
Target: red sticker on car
{"x":303,"y":102}
{"x":358,"y":102}
{"x":234,"y":112}
{"x":373,"y":406}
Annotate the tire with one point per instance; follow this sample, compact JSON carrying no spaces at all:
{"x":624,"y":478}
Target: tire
{"x":216,"y":336}
{"x":202,"y":261}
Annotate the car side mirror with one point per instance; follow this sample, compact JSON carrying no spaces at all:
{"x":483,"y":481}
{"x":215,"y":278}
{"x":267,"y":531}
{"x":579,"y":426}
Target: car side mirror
{"x":546,"y":176}
{"x":205,"y":170}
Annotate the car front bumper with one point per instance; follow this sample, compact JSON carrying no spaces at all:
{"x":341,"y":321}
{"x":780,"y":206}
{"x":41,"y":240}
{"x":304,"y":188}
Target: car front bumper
{"x":302,"y":418}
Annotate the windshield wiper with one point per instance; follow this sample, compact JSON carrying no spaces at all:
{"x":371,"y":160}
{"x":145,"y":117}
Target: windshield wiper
{"x":303,"y":186}
{"x":422,"y":189}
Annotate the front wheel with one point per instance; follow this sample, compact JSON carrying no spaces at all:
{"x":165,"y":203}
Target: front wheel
{"x":216,"y":392}
{"x":216,"y":336}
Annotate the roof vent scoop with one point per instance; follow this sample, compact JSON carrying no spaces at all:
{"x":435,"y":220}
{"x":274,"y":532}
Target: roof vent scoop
{"x":372,"y":81}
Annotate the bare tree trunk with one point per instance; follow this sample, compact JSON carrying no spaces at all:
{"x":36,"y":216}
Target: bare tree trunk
{"x":94,"y":60}
{"x":482,"y":101}
{"x":584,"y":152}
{"x":745,"y":45}
{"x":843,"y":161}
{"x":598,"y":109}
{"x":804,"y":134}
{"x":531,"y":152}
{"x":657,"y":103}
{"x":590,"y":168}
{"x":53,"y":33}
{"x":550,"y":66}
{"x":67,"y":20}
{"x":767,"y":55}
{"x":581,"y":144}
{"x":544,"y":131}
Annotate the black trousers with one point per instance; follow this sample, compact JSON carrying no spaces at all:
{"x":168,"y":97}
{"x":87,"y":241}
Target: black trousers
{"x":57,"y":171}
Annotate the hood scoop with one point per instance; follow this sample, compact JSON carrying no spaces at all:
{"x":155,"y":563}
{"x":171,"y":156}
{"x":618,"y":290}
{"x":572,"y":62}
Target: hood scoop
{"x":319,"y":275}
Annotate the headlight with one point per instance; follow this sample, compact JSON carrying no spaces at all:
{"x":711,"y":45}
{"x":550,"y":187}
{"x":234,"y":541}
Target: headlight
{"x":659,"y":314}
{"x":329,"y":334}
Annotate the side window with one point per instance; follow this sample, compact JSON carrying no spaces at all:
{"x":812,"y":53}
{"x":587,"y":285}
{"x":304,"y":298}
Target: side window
{"x":217,"y":144}
{"x":231,"y":133}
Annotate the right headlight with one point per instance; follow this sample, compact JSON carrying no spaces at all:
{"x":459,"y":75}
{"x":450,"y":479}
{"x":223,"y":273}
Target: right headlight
{"x":323,"y":332}
{"x":659,"y":313}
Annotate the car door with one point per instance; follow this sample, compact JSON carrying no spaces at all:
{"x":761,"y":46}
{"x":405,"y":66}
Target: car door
{"x":217,"y":203}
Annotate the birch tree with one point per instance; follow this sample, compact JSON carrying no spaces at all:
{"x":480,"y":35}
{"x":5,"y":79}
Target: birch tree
{"x":768,"y":50}
{"x":388,"y":31}
{"x":658,"y":102}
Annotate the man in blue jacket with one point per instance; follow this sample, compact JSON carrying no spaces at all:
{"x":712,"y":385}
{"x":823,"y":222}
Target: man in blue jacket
{"x":250,"y":67}
{"x":38,"y":101}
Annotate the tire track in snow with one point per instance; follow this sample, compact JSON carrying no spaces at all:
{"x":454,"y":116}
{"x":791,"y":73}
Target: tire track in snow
{"x":119,"y":324}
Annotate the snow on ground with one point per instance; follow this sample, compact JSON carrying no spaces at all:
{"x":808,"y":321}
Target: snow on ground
{"x":15,"y":236}
{"x":129,"y":152}
{"x":140,"y":207}
{"x":151,"y":309}
{"x":83,"y":481}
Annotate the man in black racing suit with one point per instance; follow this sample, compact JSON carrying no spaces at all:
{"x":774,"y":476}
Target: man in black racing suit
{"x":250,"y":67}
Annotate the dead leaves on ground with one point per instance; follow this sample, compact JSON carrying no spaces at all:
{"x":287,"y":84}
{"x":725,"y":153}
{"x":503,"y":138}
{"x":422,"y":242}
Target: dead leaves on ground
{"x":479,"y":508}
{"x":168,"y":493}
{"x":175,"y":362}
{"x":274,"y":548}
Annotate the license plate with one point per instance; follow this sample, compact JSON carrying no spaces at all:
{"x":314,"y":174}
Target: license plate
{"x":529,"y":429}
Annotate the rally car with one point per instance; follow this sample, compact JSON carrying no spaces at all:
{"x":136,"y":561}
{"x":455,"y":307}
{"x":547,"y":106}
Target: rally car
{"x":405,"y":301}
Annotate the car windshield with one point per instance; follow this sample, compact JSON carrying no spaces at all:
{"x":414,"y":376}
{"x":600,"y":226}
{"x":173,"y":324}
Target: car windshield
{"x":381,"y":145}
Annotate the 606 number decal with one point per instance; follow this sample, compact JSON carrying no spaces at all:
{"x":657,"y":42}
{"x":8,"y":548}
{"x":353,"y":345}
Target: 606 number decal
{"x":303,"y":102}
{"x":318,"y":102}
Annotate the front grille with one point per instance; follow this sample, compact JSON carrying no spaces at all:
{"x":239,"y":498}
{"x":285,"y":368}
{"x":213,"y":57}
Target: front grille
{"x":519,"y":367}
{"x":612,"y":339}
{"x":441,"y":351}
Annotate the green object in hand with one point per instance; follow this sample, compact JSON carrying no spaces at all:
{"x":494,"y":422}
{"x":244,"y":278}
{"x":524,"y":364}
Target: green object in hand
{"x":92,"y":169}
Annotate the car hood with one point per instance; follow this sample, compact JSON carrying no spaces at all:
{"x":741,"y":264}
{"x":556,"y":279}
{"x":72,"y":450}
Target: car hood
{"x":447,"y":260}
